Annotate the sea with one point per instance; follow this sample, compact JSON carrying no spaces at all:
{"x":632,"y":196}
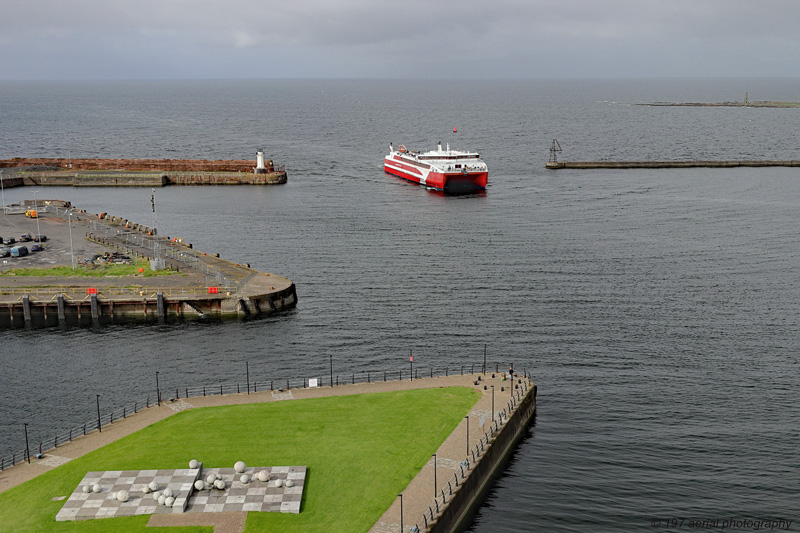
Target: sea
{"x":657,"y":310}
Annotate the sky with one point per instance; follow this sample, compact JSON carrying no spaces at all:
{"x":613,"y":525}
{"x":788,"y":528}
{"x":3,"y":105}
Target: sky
{"x":445,"y":39}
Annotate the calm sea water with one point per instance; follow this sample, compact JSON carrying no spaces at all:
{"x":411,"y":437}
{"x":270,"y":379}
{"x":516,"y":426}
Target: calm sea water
{"x":657,"y":309}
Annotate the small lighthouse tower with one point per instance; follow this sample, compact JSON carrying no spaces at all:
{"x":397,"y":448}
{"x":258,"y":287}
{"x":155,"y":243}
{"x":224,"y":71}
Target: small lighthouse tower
{"x":260,"y":168}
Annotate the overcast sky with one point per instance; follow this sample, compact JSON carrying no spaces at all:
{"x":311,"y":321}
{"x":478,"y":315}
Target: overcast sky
{"x":162,"y":39}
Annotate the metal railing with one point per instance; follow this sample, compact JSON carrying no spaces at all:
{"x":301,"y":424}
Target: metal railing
{"x":45,"y":446}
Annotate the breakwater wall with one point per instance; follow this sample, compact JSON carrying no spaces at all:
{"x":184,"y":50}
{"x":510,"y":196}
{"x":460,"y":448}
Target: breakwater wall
{"x":145,"y":179}
{"x":668,"y":164}
{"x":489,"y":457}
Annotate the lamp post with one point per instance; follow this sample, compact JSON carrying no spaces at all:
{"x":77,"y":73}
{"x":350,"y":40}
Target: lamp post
{"x":492,"y":403}
{"x":467,"y":417}
{"x":3,"y":190}
{"x":100,"y":429}
{"x":71,"y":249}
{"x":401,"y":513}
{"x":35,"y":208}
{"x":27,"y":446}
{"x":158,"y":391}
{"x":330,"y":356}
{"x":247,"y":366}
{"x":484,"y":359}
{"x":434,"y":476}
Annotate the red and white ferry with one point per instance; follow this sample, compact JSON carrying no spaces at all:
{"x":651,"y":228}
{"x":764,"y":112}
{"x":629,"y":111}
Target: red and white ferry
{"x":445,"y":170}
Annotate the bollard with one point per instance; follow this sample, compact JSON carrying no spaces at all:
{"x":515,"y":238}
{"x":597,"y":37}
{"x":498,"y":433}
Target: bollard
{"x":204,"y":390}
{"x":237,"y":389}
{"x":186,"y":392}
{"x":220,"y":389}
{"x":431,"y":371}
{"x":354,"y":379}
{"x":384,"y":376}
{"x":84,"y":429}
{"x":367,"y":377}
{"x":288,"y":388}
{"x":134,"y":407}
{"x":70,"y":435}
{"x":55,"y":441}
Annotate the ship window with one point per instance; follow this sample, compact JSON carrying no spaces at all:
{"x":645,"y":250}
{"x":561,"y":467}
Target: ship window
{"x":458,"y":166}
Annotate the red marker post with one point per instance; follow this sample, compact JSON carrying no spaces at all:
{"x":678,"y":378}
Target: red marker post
{"x":411,"y":361}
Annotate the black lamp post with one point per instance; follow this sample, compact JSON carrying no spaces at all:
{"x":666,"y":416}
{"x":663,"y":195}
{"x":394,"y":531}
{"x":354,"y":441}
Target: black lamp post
{"x":27,"y":446}
{"x":158,"y":391}
{"x":247,"y":367}
{"x":401,"y":513}
{"x":99,"y":428}
{"x":331,"y":359}
{"x":434,"y":475}
{"x":492,"y":403}
{"x":484,"y":359}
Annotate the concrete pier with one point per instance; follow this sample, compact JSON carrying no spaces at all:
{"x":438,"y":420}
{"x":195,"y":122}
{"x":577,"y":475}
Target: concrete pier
{"x":668,"y":164}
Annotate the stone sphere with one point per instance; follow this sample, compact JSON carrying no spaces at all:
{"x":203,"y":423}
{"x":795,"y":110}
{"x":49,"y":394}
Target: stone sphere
{"x":208,"y":486}
{"x":239,"y":467}
{"x":122,"y":495}
{"x":220,"y":484}
{"x":146,"y":489}
{"x":153,"y":486}
{"x":279,"y":483}
{"x":168,"y":492}
{"x":218,"y":476}
{"x":263,"y":476}
{"x":199,"y":484}
{"x":87,"y":488}
{"x":169,"y":501}
{"x":97,"y":488}
{"x":211,"y":478}
{"x":156,"y":495}
{"x":289,"y":483}
{"x":193,"y":464}
{"x":162,"y":499}
{"x":245,"y":479}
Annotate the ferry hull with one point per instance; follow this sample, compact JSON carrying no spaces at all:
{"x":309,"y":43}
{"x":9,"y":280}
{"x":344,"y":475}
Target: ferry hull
{"x":443,"y":181}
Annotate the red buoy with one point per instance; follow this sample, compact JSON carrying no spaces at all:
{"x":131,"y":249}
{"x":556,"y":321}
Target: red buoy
{"x":455,"y":130}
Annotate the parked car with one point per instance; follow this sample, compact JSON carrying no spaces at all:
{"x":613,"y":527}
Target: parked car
{"x":36,"y":247}
{"x":4,"y":251}
{"x":39,"y":238}
{"x":19,"y":251}
{"x":25,"y":237}
{"x":9,"y":240}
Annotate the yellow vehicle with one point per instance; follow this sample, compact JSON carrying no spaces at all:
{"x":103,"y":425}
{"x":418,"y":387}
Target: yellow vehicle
{"x":31,"y":213}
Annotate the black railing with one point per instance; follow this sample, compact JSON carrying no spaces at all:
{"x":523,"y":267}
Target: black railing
{"x":102,"y":419}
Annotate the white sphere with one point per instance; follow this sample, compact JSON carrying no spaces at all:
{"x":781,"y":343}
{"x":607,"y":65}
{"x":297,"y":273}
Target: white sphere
{"x":87,"y":488}
{"x":289,"y":483}
{"x":199,"y":484}
{"x":279,"y":483}
{"x":122,"y":495}
{"x":263,"y":476}
{"x":211,"y":478}
{"x":220,"y":484}
{"x":153,"y":486}
{"x":239,"y":467}
{"x":193,"y":464}
{"x":147,"y":489}
{"x":97,"y":488}
{"x":207,"y":485}
{"x":162,"y":499}
{"x":168,"y":492}
{"x":157,"y":495}
{"x":245,"y":479}
{"x":169,"y":501}
{"x":218,"y":476}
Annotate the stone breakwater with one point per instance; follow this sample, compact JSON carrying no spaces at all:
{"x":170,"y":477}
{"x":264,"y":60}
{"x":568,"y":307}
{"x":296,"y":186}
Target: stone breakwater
{"x":20,"y":171}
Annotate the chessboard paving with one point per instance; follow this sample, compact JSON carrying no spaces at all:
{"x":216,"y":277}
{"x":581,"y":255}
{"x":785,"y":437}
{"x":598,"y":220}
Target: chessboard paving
{"x":237,"y":496}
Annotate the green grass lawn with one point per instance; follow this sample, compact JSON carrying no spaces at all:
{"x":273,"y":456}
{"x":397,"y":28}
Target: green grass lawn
{"x":99,"y":271}
{"x":361,"y":451}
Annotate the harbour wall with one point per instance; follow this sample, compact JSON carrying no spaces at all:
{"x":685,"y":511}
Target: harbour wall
{"x":463,"y":502}
{"x":667,"y":164}
{"x":144,"y":179}
{"x":73,"y":306}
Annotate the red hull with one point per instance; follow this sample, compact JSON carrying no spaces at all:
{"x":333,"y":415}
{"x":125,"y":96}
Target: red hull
{"x":443,"y":181}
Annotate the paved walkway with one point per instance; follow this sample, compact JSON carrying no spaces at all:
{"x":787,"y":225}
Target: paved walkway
{"x":417,"y":496}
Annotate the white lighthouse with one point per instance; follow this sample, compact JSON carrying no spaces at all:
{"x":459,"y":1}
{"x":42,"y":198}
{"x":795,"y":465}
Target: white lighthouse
{"x":260,"y":168}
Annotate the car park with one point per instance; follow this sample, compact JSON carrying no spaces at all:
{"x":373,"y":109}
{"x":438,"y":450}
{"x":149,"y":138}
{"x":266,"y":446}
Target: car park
{"x":25,"y":237}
